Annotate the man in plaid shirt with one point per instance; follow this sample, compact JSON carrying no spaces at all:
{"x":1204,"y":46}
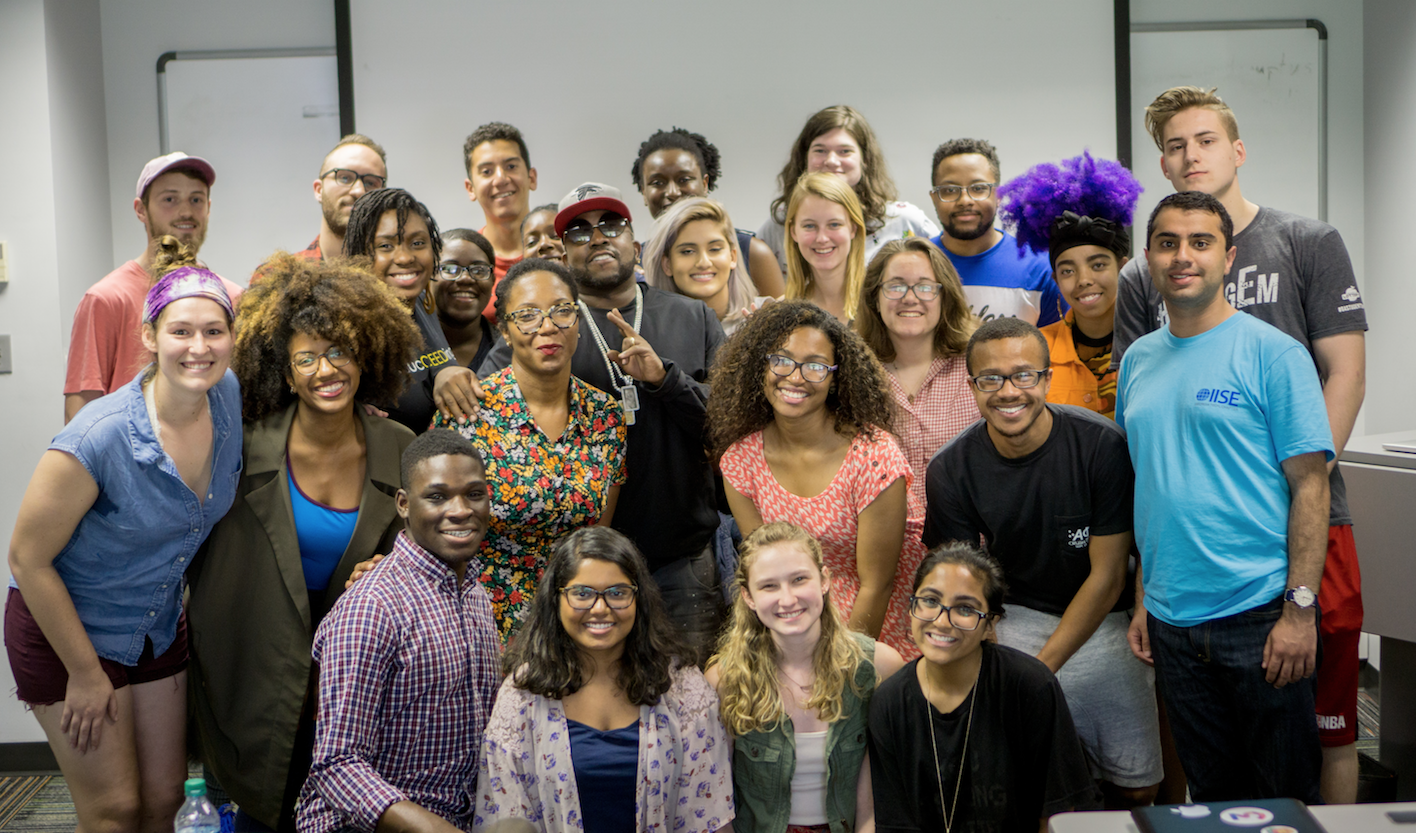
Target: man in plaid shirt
{"x":409,"y":662}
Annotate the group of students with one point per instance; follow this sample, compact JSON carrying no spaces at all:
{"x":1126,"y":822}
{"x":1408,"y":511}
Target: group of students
{"x":565,"y":448}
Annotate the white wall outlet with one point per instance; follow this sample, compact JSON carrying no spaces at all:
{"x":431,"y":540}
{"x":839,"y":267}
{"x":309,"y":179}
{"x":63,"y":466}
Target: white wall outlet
{"x":4,"y":262}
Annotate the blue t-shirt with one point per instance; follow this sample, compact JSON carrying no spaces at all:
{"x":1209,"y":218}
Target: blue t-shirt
{"x":124,"y":565}
{"x":1209,"y":421}
{"x":323,"y":532}
{"x":1005,"y":282}
{"x":606,"y":765}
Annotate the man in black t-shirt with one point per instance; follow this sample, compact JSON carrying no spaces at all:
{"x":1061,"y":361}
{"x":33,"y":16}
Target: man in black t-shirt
{"x":1049,"y":490}
{"x":651,"y":350}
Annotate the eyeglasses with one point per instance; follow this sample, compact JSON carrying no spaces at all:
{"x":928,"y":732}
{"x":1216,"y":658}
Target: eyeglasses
{"x":925,"y":290}
{"x":479,"y":272}
{"x":347,"y":178}
{"x":528,"y":319}
{"x":950,"y":193}
{"x":963,"y":617}
{"x":1022,"y":380}
{"x":810,"y":371}
{"x":618,"y":597}
{"x":610,"y":225}
{"x":307,"y":363}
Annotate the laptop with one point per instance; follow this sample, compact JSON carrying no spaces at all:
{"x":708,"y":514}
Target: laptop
{"x":1268,"y":815}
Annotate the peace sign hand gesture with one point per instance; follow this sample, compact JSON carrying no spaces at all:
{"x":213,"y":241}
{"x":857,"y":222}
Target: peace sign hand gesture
{"x":636,"y":357}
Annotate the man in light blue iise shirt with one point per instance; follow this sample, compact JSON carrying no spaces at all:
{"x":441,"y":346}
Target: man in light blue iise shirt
{"x":1230,"y":440}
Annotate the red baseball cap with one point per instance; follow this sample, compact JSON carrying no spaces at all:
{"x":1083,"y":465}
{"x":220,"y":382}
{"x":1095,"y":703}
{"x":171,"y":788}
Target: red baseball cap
{"x":589,"y":197}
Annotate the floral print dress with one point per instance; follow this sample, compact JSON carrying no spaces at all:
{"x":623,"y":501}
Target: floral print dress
{"x":542,"y":488}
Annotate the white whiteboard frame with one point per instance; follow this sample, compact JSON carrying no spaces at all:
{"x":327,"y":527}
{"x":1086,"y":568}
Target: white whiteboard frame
{"x":1299,"y":23}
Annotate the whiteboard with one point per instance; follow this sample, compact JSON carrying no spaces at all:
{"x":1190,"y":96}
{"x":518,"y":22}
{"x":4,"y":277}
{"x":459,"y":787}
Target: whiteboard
{"x":264,"y":121}
{"x":1271,"y":78}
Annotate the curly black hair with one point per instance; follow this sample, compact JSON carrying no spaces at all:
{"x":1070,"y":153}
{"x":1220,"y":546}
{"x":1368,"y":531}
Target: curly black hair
{"x":544,"y":659}
{"x":958,"y":147}
{"x":338,"y":300}
{"x":709,"y":160}
{"x":491,"y":132}
{"x":858,"y":398}
{"x":370,"y":208}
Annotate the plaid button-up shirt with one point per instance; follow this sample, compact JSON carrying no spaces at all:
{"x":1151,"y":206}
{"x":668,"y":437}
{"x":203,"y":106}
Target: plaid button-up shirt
{"x":409,"y":668}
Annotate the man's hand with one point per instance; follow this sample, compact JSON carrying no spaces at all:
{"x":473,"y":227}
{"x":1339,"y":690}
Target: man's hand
{"x":636,"y":357}
{"x":457,"y":391}
{"x":1138,"y":636}
{"x":1291,"y":652}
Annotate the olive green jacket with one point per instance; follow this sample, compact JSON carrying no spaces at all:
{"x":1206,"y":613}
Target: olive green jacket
{"x":249,"y":616}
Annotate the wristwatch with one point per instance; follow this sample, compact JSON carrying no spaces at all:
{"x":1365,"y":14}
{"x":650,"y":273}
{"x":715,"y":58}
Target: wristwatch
{"x":1302,"y":596}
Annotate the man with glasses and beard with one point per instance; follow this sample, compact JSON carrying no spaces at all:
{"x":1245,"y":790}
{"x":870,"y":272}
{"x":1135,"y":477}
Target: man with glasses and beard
{"x":1049,"y":489}
{"x":354,"y":167}
{"x":1000,"y":279}
{"x":105,"y":350}
{"x":651,"y":350}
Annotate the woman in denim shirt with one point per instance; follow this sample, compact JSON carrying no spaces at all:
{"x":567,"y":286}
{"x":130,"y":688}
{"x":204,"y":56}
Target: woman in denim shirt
{"x":115,"y":510}
{"x":794,"y":687}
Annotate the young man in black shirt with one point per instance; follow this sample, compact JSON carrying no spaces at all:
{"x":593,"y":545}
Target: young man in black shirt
{"x":651,"y":350}
{"x":1049,"y":489}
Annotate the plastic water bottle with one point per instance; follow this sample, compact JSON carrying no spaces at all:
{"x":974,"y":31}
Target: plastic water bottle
{"x":197,"y":815}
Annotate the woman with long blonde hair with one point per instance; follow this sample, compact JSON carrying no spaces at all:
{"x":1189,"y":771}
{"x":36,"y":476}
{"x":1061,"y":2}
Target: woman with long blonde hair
{"x":794,"y":688}
{"x":826,"y":258}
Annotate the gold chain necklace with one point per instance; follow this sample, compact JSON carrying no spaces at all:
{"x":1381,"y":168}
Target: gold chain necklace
{"x":950,"y":814}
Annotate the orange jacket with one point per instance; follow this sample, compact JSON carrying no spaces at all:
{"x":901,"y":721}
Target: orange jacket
{"x":1072,"y":382}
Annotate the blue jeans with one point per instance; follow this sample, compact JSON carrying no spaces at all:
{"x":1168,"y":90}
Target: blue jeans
{"x":1239,"y":738}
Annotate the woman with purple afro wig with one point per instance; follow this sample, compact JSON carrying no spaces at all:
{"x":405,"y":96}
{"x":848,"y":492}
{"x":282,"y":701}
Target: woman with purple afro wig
{"x":1078,"y":213}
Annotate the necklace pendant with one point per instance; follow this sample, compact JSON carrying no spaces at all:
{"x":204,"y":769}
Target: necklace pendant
{"x":629,"y":402}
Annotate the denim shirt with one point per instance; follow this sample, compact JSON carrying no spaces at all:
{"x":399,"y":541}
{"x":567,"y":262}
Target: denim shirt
{"x":765,"y":760}
{"x":124,"y":565}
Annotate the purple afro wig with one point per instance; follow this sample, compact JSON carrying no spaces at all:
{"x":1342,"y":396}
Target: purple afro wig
{"x":1098,"y":188}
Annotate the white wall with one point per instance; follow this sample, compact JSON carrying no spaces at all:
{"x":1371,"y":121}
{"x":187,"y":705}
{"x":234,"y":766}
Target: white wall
{"x":1390,"y":184}
{"x":596,"y":81}
{"x":29,"y":305}
{"x":135,"y":35}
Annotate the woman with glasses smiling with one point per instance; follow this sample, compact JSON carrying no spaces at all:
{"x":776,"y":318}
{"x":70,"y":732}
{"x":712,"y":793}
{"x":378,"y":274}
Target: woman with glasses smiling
{"x":554,"y":446}
{"x":461,"y":289}
{"x":914,"y":316}
{"x":603,"y":723}
{"x":971,"y":735}
{"x":314,"y":340}
{"x":799,"y":421}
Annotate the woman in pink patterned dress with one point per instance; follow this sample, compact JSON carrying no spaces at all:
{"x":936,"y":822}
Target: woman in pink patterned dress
{"x":799,"y":421}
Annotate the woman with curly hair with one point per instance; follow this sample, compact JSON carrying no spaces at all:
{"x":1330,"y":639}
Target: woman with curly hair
{"x":400,"y":238}
{"x":674,"y":164}
{"x":794,"y":689}
{"x":603,"y":722}
{"x":1077,"y":213}
{"x":693,"y":252}
{"x":826,"y":262}
{"x":916,"y":319}
{"x":117,"y":506}
{"x":554,"y":446}
{"x":839,"y":141}
{"x":799,"y":422}
{"x":315,"y":340}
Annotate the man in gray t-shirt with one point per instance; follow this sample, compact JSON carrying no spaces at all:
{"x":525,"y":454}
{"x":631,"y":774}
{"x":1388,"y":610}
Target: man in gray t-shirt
{"x":1293,"y":273}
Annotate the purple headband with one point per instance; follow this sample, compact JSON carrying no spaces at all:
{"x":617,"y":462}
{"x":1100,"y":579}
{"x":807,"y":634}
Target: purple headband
{"x":186,"y":282}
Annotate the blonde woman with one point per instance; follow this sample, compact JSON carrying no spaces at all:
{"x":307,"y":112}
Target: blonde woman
{"x":826,"y":260}
{"x":695,"y":252}
{"x":794,"y":688}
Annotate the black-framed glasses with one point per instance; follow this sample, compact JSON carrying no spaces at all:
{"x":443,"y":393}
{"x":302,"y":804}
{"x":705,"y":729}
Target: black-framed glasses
{"x":1022,"y":380}
{"x":306,"y":363}
{"x":528,"y":319}
{"x":610,"y":225}
{"x":347,"y":178}
{"x":950,"y":193}
{"x":924,"y":290}
{"x":479,"y":272}
{"x":618,"y":597}
{"x":963,"y":617}
{"x":810,"y":371}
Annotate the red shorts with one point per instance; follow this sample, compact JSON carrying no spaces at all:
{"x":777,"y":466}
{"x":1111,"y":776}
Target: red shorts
{"x":40,"y":676}
{"x":1341,"y":599}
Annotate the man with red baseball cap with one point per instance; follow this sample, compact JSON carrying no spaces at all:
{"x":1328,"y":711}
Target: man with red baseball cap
{"x":105,"y":350}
